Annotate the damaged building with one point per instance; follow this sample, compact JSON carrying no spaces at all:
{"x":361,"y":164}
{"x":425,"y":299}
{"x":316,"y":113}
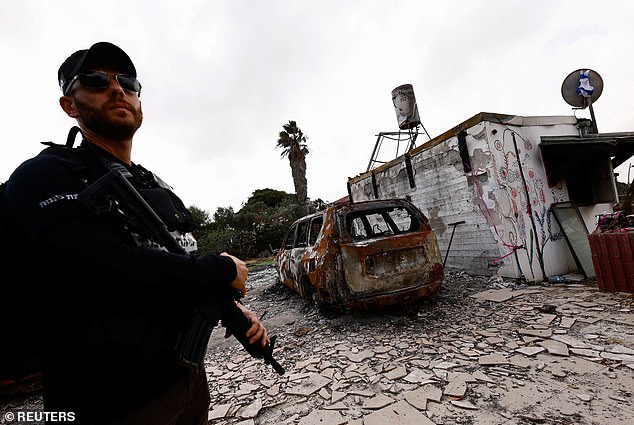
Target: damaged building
{"x":508,"y":195}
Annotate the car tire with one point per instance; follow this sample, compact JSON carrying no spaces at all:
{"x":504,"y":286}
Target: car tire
{"x":305,"y":288}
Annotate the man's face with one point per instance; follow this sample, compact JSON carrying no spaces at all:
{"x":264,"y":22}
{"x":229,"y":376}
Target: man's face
{"x":111,"y":112}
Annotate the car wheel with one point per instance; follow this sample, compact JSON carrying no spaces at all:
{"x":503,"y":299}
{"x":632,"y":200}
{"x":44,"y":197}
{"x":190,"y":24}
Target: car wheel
{"x":305,"y":288}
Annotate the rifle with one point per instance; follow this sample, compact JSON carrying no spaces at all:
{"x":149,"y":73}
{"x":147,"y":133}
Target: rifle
{"x":114,"y":194}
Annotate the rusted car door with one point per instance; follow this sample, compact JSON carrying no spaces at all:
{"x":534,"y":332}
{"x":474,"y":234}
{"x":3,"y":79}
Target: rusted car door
{"x":290,"y":259}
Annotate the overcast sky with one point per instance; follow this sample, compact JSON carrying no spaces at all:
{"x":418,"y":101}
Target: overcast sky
{"x":221,"y":78}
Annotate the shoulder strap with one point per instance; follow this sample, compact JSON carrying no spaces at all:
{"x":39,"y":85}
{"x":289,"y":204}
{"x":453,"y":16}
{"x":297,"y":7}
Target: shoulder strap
{"x":72,"y":134}
{"x":2,"y":212}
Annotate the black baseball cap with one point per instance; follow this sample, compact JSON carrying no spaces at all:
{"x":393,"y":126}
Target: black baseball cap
{"x":99,"y":54}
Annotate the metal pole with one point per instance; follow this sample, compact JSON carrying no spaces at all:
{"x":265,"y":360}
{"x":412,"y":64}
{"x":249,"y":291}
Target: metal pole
{"x":374,"y":152}
{"x":451,"y":239}
{"x":594,"y":121}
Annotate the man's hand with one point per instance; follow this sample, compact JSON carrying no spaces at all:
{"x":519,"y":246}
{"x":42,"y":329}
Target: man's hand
{"x":239,"y":283}
{"x":257,"y":331}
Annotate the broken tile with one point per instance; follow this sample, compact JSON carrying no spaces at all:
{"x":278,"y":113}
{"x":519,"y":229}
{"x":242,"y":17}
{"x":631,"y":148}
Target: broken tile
{"x":324,"y":394}
{"x":555,"y":347}
{"x":397,"y":373}
{"x":546,"y":319}
{"x":463,"y":404}
{"x":540,"y":333}
{"x":532,"y":418}
{"x":570,"y":341}
{"x":445,"y":365}
{"x":589,"y":319}
{"x":336,"y":396}
{"x":273,"y":391}
{"x":467,"y":377}
{"x":321,"y":417}
{"x":585,"y":352}
{"x":337,"y":406}
{"x":511,"y":345}
{"x":492,"y":359}
{"x":377,"y":402}
{"x":363,"y":393}
{"x":252,"y":410}
{"x":530,"y":351}
{"x":487,"y":334}
{"x":419,"y":397}
{"x":418,"y":376}
{"x":247,"y":387}
{"x":401,"y":413}
{"x":219,"y":411}
{"x":358,"y":357}
{"x":520,"y":361}
{"x":313,"y":383}
{"x":567,"y":322}
{"x":304,"y":363}
{"x":456,"y":388}
{"x":495,"y":295}
{"x":481,"y":376}
{"x":620,"y":349}
{"x":626,"y":358}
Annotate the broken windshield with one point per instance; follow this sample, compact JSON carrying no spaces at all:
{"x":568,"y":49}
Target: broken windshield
{"x":380,"y":222}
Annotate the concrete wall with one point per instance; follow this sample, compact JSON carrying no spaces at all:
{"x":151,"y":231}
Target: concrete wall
{"x":508,"y":226}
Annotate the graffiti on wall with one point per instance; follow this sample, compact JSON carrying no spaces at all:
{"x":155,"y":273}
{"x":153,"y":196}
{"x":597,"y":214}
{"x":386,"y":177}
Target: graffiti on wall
{"x":525,"y":213}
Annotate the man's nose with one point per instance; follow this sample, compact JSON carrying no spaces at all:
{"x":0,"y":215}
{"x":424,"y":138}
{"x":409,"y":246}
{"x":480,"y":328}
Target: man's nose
{"x":114,"y":85}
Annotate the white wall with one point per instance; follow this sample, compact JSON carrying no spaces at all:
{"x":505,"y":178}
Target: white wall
{"x":498,"y":210}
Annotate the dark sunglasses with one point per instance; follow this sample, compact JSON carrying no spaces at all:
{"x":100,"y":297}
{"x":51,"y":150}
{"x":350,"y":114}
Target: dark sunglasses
{"x":101,"y":80}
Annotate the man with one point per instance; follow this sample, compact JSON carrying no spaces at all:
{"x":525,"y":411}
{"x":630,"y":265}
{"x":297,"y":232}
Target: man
{"x":110,"y":302}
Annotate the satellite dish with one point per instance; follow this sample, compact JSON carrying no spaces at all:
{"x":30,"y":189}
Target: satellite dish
{"x":582,"y":88}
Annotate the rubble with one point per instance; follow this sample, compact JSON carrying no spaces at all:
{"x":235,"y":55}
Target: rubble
{"x":548,"y":353}
{"x":481,"y":351}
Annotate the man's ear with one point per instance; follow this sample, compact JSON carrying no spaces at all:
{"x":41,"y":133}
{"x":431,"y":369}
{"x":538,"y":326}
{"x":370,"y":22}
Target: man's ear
{"x":68,"y":105}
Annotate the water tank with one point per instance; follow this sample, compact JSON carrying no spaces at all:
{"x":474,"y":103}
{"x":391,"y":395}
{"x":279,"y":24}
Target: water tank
{"x":405,"y":106}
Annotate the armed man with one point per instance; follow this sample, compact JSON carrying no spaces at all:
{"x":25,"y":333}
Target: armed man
{"x":113,"y":303}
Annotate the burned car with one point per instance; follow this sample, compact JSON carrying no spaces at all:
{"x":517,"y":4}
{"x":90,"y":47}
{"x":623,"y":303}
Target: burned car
{"x":362,"y":255}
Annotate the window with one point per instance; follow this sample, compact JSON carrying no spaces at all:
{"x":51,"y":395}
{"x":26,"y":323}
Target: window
{"x":290,"y":237}
{"x":381,"y":222}
{"x":403,"y":220}
{"x":302,"y":234}
{"x":315,"y":228}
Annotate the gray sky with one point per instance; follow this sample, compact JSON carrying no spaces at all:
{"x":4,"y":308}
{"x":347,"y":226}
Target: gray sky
{"x":221,"y":78}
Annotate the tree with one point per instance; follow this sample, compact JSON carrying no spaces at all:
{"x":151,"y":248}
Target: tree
{"x":256,"y":230}
{"x":293,"y":141}
{"x":200,"y":216}
{"x":223,"y":217}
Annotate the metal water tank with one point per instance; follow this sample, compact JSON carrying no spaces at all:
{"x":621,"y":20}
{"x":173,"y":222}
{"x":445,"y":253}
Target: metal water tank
{"x":405,"y":105}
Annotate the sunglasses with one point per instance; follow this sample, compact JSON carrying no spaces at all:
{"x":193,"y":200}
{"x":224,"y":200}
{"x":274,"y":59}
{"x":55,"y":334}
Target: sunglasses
{"x":101,"y":80}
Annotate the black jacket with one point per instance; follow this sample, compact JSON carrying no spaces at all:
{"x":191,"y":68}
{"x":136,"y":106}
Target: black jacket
{"x":101,"y":307}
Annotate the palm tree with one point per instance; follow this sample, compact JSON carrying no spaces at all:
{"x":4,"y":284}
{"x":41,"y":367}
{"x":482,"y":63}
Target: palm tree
{"x":293,"y":141}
